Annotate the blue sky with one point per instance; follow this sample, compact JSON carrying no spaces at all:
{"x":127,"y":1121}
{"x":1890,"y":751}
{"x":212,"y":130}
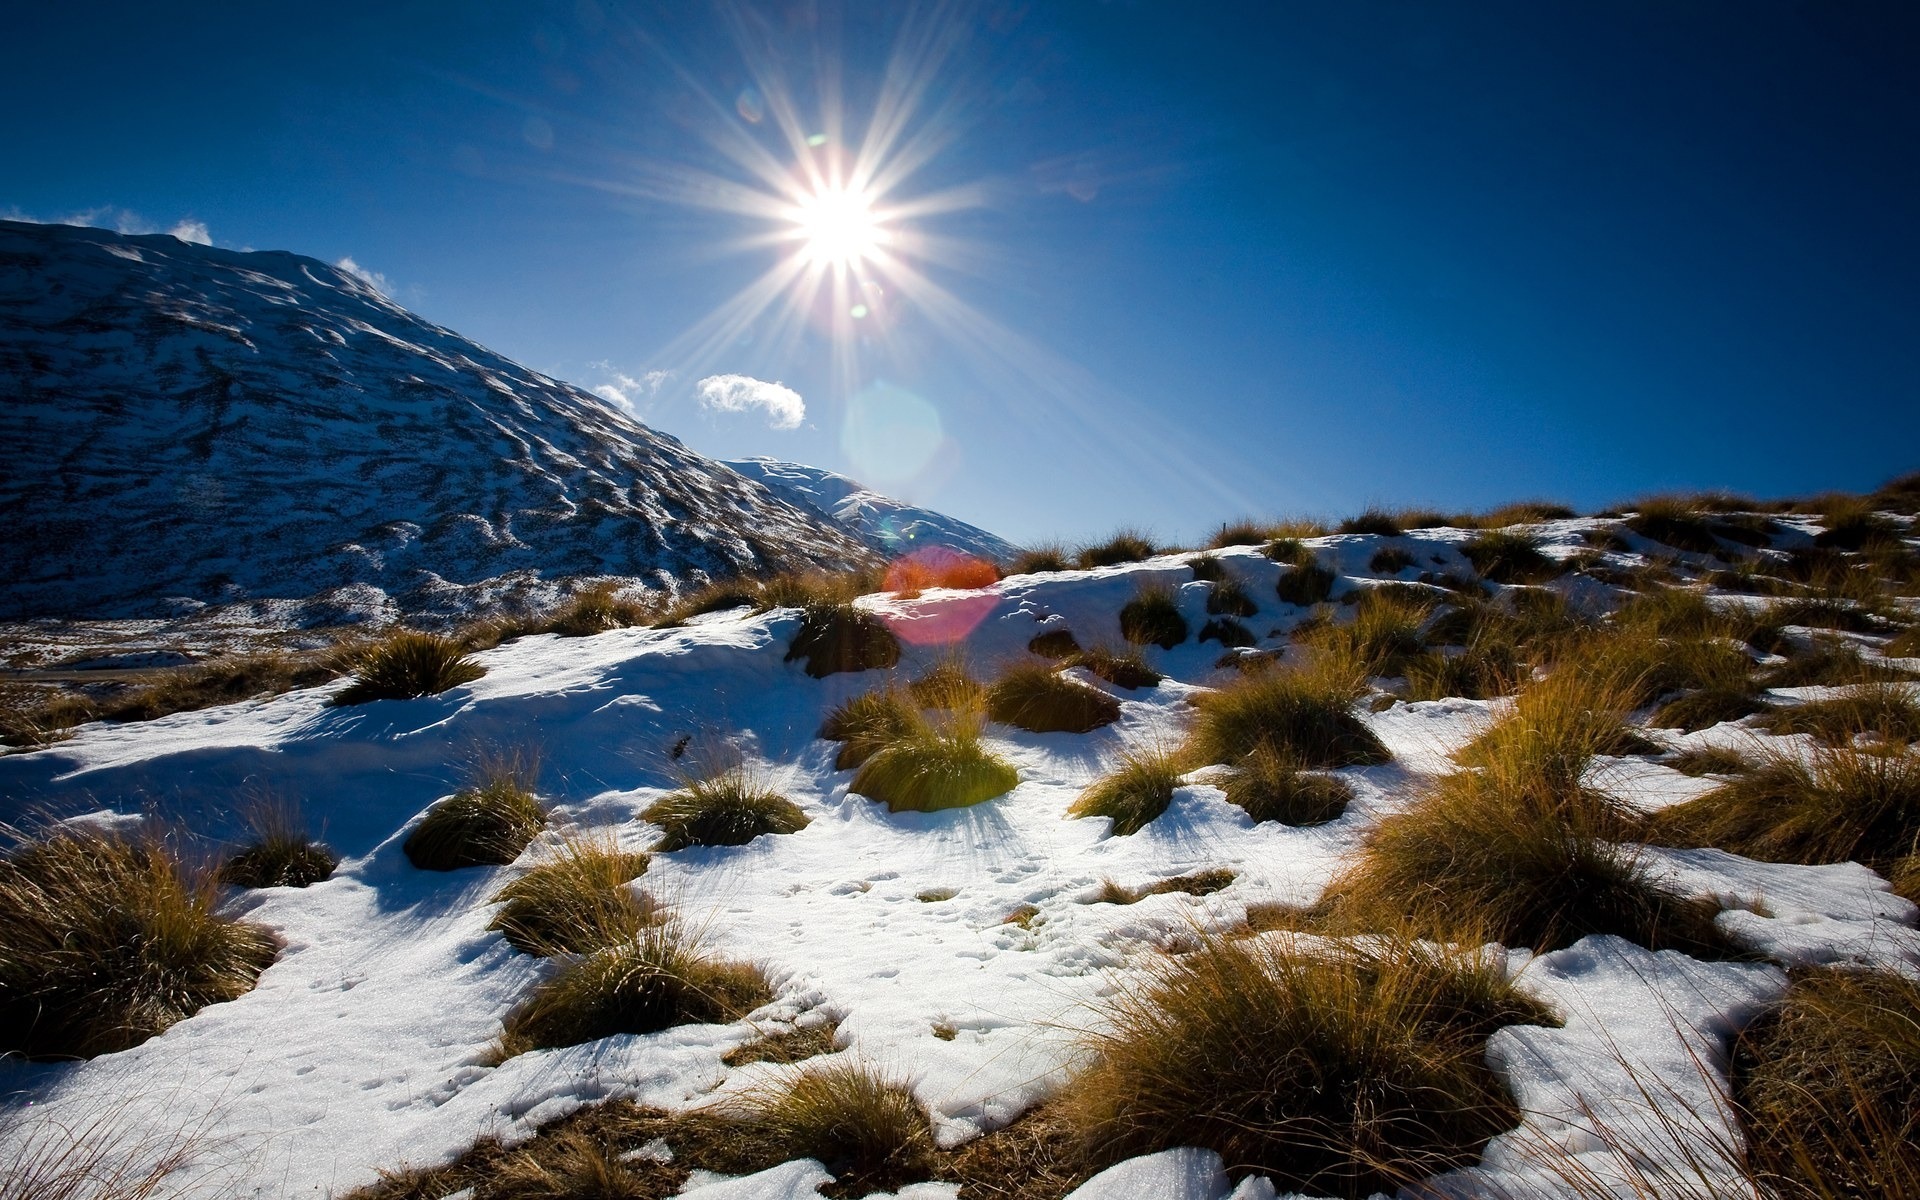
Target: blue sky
{"x":1201,"y":260}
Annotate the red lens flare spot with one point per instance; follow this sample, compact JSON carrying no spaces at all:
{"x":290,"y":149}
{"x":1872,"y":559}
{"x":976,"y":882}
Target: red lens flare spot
{"x":941,"y":620}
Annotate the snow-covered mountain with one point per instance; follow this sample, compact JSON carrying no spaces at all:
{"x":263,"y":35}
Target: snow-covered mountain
{"x":189,"y":422}
{"x":888,"y":525}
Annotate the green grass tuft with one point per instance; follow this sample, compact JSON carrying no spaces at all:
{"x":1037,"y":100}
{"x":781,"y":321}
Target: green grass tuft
{"x":1228,"y":632}
{"x":1833,"y":806}
{"x":656,"y":979}
{"x":1040,"y":700}
{"x":1884,"y":712}
{"x":1828,"y":1084}
{"x":487,"y":824}
{"x":841,"y":637}
{"x":1509,"y":557}
{"x":1374,"y":521}
{"x":1272,"y":786}
{"x":865,"y":1128}
{"x":1305,"y":713}
{"x":1133,"y":793}
{"x":407,"y":666}
{"x":729,"y":808}
{"x":1338,"y":1071}
{"x":1228,"y":597}
{"x":938,"y":763}
{"x":575,"y":900}
{"x":105,"y":943}
{"x":1128,"y":670}
{"x":1128,"y":545}
{"x":281,"y":854}
{"x":867,"y":722}
{"x":1153,"y":617}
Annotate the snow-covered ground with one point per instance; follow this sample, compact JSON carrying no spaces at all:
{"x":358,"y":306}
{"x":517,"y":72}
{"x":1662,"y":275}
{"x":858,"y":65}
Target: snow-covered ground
{"x":365,"y":1046}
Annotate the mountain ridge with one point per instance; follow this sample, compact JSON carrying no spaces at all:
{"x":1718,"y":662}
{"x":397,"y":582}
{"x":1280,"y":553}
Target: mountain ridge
{"x":207,"y":426}
{"x":892,"y":527}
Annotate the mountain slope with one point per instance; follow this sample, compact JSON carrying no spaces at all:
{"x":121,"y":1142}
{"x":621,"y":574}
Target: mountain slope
{"x":199,"y":423}
{"x":888,"y":525}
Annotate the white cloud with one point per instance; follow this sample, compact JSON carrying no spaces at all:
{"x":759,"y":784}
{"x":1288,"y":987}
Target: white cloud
{"x":372,"y":279}
{"x":624,"y":391}
{"x":190,"y":230}
{"x":738,"y":393}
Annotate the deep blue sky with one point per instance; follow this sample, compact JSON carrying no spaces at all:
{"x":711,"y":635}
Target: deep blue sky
{"x":1285,"y":257}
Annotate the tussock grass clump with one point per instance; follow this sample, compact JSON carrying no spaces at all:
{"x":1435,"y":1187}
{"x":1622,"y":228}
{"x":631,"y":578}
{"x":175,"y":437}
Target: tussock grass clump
{"x":728,"y":808}
{"x":1128,"y":545}
{"x":105,"y":943}
{"x":1830,"y":662}
{"x":1505,"y":556}
{"x":1153,"y":617}
{"x":791,"y":589}
{"x":575,"y":900}
{"x":1718,"y":678}
{"x":1228,"y":597}
{"x":1375,"y":521}
{"x":596,"y":610}
{"x":485,"y":825}
{"x":1885,"y":712}
{"x":1382,"y":637}
{"x":1306,"y":713}
{"x":1200,"y":883}
{"x":1709,"y":760}
{"x":1124,"y":670}
{"x":1829,"y":1086}
{"x":865,"y":1128}
{"x":938,"y":762}
{"x":1391,"y":561}
{"x":1272,"y":786}
{"x":1040,"y":700}
{"x":1206,"y":568}
{"x":1853,"y":525}
{"x":1525,"y":512}
{"x":1305,"y":584}
{"x":1135,"y":792}
{"x":785,"y":1046}
{"x":865,"y":723}
{"x":1228,"y":632}
{"x":1486,"y":668}
{"x":1515,"y":849}
{"x":1054,"y":644}
{"x":658,"y":978}
{"x":1674,"y":521}
{"x":1344,"y":1072}
{"x":407,"y":666}
{"x":1288,"y":550}
{"x":1906,"y":645}
{"x":222,"y":681}
{"x":281,"y":854}
{"x":1041,"y":560}
{"x":1833,"y":806}
{"x":947,"y":684}
{"x":1238,"y":533}
{"x":841,"y":637}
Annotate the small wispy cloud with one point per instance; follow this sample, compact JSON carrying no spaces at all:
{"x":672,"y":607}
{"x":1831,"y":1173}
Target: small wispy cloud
{"x":625,"y":391}
{"x":739,"y":393}
{"x":372,"y":279}
{"x":120,"y":220}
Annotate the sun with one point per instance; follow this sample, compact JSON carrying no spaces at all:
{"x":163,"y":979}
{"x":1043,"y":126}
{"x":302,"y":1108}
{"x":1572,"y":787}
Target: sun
{"x":838,"y":226}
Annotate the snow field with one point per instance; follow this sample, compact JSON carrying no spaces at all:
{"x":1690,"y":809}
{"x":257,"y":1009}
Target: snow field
{"x":364,"y":1046}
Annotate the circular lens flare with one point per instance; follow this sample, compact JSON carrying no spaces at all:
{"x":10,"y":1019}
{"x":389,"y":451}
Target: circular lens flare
{"x":838,"y":227}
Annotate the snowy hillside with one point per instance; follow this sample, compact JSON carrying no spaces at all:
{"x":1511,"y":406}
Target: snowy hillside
{"x":965,"y":951}
{"x":191,"y":422}
{"x":890,"y":526}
